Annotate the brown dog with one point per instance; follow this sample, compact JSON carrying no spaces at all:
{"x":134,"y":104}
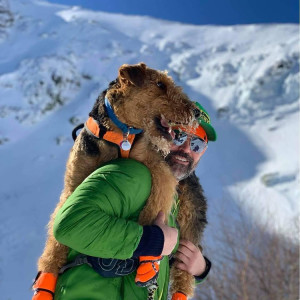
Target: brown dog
{"x":148,"y":99}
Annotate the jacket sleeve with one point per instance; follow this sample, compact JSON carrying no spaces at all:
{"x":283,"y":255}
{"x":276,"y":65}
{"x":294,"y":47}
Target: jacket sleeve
{"x":204,"y":275}
{"x":100,"y":217}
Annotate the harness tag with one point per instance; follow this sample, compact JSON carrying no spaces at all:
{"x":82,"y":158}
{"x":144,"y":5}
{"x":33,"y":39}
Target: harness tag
{"x":125,"y":145}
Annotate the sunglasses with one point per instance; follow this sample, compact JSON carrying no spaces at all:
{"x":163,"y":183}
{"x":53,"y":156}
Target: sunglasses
{"x":197,"y":144}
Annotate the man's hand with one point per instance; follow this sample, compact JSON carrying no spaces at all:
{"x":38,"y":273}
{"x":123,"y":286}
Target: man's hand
{"x":170,"y":234}
{"x":189,"y":258}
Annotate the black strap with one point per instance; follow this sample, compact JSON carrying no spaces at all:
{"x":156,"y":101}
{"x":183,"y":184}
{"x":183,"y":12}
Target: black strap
{"x":36,"y":278}
{"x":74,"y":132}
{"x":43,"y":290}
{"x":78,"y":261}
{"x":103,"y":130}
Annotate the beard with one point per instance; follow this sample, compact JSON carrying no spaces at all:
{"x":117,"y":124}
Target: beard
{"x":180,"y":171}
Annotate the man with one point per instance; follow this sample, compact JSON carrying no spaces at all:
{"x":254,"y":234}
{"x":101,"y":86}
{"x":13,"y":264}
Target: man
{"x":183,"y":160}
{"x":98,"y":223}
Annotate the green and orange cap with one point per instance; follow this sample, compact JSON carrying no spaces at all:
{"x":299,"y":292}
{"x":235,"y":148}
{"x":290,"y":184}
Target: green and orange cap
{"x":204,"y":122}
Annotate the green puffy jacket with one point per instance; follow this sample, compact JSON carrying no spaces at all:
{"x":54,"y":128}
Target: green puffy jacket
{"x":100,"y":219}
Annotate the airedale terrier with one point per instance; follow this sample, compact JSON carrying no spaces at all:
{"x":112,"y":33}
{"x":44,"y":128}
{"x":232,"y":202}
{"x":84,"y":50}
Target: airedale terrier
{"x":148,"y":99}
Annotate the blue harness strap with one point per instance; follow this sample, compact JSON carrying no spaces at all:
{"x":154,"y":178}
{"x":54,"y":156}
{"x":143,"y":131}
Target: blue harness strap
{"x":125,"y":129}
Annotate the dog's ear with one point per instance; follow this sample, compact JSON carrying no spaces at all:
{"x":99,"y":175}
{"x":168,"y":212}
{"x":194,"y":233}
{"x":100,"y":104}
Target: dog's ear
{"x":133,"y":74}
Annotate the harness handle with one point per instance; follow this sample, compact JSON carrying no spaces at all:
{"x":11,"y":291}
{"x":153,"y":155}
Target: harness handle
{"x":74,"y":132}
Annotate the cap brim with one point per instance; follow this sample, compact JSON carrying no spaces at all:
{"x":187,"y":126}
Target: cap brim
{"x":210,"y":131}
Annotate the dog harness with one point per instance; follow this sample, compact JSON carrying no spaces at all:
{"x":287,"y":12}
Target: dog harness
{"x":123,"y":140}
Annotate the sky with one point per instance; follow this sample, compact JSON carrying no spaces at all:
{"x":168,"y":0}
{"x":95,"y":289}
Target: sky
{"x":201,"y":12}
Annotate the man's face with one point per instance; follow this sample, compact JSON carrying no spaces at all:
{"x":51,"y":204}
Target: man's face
{"x":182,"y":160}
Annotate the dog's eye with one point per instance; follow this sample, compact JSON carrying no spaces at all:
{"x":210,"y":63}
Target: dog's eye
{"x":161,"y":85}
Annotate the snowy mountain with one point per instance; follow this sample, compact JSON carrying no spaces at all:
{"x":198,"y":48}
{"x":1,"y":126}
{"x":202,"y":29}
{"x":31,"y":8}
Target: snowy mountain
{"x":55,"y":60}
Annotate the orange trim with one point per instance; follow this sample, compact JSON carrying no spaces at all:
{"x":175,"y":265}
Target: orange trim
{"x":198,"y":131}
{"x":42,"y":295}
{"x":45,"y":281}
{"x":179,"y":296}
{"x":117,"y":138}
{"x":110,"y":136}
{"x":147,"y":270}
{"x":93,"y":126}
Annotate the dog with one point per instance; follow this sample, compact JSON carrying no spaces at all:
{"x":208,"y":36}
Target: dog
{"x":146,"y":99}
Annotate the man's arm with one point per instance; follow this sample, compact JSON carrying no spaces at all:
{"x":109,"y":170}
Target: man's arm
{"x":99,"y":218}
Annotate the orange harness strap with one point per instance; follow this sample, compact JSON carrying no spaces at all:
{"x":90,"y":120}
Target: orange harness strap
{"x":44,"y":286}
{"x":147,"y":272}
{"x":110,"y":136}
{"x":179,"y":296}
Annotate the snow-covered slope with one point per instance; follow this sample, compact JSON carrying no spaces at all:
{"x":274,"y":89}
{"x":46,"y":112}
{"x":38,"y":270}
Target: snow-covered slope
{"x":55,"y":60}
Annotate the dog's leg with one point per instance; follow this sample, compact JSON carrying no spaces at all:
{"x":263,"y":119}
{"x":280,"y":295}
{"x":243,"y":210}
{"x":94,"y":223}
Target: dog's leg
{"x":79,"y":166}
{"x":164,"y":184}
{"x":163,"y":190}
{"x":192,"y":221}
{"x":182,"y":281}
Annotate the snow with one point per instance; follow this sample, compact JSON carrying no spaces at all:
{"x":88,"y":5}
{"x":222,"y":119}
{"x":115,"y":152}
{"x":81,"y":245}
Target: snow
{"x":55,"y":60}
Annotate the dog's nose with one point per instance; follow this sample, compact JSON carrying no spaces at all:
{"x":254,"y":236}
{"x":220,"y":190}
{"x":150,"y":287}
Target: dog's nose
{"x":196,"y":112}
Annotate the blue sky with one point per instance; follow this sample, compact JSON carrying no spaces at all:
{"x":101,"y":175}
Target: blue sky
{"x":220,"y":12}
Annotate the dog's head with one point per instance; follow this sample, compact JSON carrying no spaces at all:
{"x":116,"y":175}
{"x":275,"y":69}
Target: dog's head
{"x":149,"y":99}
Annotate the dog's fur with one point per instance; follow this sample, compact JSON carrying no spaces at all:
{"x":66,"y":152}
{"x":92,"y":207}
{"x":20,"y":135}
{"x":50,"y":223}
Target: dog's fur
{"x":140,"y":97}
